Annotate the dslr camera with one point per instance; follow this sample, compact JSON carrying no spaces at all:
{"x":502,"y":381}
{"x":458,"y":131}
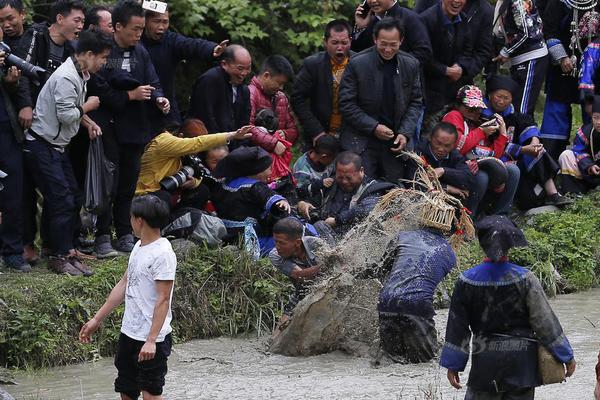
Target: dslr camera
{"x":192,"y":168}
{"x":33,"y":72}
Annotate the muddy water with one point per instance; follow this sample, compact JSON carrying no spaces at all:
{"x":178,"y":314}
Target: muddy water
{"x":241,"y":369}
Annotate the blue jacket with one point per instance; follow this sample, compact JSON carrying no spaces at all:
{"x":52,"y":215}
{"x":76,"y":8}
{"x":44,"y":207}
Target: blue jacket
{"x":167,"y":53}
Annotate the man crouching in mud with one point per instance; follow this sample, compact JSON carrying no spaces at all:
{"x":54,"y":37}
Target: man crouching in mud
{"x":294,"y":255}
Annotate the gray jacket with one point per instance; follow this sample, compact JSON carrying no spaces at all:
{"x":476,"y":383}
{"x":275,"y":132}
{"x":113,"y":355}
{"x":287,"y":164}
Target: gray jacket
{"x":361,"y":93}
{"x":58,"y":109}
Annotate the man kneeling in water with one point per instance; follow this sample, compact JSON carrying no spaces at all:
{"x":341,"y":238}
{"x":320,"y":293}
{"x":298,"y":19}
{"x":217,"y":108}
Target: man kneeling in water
{"x":294,"y":255}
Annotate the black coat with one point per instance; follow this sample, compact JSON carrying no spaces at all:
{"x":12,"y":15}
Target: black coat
{"x":456,"y":170}
{"x":416,"y":41}
{"x":312,"y":98}
{"x":439,"y":90}
{"x":361,"y":97}
{"x":212,"y":102}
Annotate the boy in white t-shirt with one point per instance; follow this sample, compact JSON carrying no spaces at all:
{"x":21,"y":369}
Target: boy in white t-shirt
{"x":147,"y":288}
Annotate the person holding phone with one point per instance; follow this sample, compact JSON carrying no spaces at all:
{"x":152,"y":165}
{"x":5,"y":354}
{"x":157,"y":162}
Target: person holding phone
{"x":538,"y":168}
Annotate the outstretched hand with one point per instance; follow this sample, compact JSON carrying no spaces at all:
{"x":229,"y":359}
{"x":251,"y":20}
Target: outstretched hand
{"x":454,"y":379}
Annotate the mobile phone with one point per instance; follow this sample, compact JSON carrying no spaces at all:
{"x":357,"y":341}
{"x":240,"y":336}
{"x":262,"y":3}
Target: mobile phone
{"x":366,"y":9}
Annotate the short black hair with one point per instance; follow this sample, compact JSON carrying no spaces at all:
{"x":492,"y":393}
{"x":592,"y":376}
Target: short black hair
{"x":446,"y":127}
{"x":125,"y":10}
{"x":16,"y":4}
{"x":337,"y":25}
{"x":289,"y":226}
{"x":92,"y":17}
{"x":347,"y":158}
{"x":230,"y":52}
{"x":388,"y":24}
{"x":64,"y":8}
{"x":327,"y":144}
{"x":278,"y":65}
{"x":93,"y":40}
{"x":150,"y":208}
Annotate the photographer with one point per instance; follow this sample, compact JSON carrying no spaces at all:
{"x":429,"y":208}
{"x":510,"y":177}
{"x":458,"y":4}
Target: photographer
{"x":168,"y":173}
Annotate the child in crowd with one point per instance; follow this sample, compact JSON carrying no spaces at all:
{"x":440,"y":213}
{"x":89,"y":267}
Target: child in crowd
{"x":147,"y":288}
{"x":315,"y":167}
{"x":294,"y":255}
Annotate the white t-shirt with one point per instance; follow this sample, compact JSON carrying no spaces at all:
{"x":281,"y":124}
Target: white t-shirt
{"x":155,"y":261}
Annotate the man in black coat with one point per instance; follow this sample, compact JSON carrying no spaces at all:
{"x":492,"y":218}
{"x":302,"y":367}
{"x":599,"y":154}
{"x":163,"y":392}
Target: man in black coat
{"x":381,"y":101}
{"x":220,"y":98}
{"x":315,"y":98}
{"x":416,"y":41}
{"x":452,"y":59}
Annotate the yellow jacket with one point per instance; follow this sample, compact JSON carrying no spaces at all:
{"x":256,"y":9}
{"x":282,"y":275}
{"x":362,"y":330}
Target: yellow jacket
{"x":162,"y":157}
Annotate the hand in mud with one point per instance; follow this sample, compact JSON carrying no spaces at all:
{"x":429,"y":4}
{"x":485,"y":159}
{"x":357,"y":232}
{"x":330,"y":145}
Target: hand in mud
{"x":330,"y":221}
{"x":570,"y":368}
{"x":284,"y":206}
{"x":87,"y":330}
{"x":454,"y":379}
{"x":147,"y":352}
{"x":304,"y":209}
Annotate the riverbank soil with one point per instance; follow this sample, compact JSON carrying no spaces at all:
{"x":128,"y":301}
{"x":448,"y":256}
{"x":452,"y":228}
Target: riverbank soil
{"x":239,"y":368}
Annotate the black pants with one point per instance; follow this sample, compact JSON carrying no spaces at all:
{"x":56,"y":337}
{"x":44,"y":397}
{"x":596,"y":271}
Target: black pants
{"x":381,"y":163}
{"x":408,"y":338}
{"x":127,"y":157}
{"x":530,"y":77}
{"x":53,"y":175}
{"x":11,"y":197}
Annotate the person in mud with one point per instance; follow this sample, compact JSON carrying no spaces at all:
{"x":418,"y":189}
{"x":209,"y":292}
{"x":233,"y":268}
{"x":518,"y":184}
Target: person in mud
{"x":295,"y":256}
{"x":418,"y":261}
{"x":501,"y":305}
{"x":350,"y":199}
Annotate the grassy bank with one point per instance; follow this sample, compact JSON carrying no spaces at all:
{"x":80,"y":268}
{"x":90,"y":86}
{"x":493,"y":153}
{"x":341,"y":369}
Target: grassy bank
{"x":222,"y":292}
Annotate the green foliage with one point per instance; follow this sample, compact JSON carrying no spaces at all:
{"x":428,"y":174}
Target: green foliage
{"x":217,"y":292}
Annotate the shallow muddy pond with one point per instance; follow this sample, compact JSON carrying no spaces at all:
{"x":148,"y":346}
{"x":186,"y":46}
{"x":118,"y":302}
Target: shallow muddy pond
{"x":239,"y":368}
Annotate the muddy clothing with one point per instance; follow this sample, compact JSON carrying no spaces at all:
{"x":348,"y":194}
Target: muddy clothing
{"x":524,"y":394}
{"x":503,"y":309}
{"x":408,"y":338}
{"x":287,"y":265}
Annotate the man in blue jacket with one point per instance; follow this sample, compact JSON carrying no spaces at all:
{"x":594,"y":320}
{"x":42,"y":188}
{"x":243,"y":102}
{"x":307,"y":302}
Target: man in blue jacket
{"x":167,"y":49}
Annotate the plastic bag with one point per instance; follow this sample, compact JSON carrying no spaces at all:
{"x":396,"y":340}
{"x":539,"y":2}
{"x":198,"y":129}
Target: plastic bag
{"x":99,"y":178}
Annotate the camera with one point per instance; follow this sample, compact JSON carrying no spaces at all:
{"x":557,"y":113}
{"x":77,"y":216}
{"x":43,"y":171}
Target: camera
{"x":314,"y":215}
{"x":366,"y":9}
{"x":33,"y":72}
{"x":192,"y":168}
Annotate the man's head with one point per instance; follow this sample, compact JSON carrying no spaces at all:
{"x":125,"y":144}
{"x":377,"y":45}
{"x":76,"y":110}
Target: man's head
{"x":67,"y":17}
{"x":148,"y":212}
{"x":442,"y":140}
{"x":388,"y":35}
{"x":453,"y":7}
{"x":156,"y":24}
{"x":99,"y":17}
{"x":237,"y":63}
{"x":325,"y":150}
{"x":128,"y":21}
{"x":287,"y":233}
{"x":92,"y":49}
{"x":276,"y":71}
{"x":337,"y":39}
{"x":381,"y":6}
{"x":349,"y":171}
{"x":12,"y":17}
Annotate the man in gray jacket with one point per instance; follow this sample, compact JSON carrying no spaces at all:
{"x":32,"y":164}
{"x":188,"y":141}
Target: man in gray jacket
{"x":60,"y":109}
{"x":381,"y":101}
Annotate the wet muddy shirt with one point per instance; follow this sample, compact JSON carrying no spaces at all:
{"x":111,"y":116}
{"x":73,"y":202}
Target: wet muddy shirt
{"x":422,"y":259}
{"x":155,"y":261}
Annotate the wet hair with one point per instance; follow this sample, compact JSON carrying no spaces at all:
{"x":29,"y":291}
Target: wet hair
{"x":92,"y":17}
{"x":150,"y":208}
{"x":93,"y":40}
{"x":230,"y":52}
{"x":64,"y":8}
{"x":125,"y":10}
{"x":388,"y":24}
{"x":16,"y":4}
{"x":289,"y":226}
{"x":327,"y":144}
{"x":337,"y":25}
{"x":278,"y":65}
{"x":347,"y":158}
{"x":446,"y":127}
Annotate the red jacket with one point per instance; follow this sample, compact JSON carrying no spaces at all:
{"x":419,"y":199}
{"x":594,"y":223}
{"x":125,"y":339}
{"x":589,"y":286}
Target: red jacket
{"x":473,"y":139}
{"x":258,"y":101}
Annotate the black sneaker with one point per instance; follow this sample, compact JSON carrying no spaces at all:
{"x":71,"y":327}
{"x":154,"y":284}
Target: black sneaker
{"x":17,"y":262}
{"x":125,"y":244}
{"x":558,"y":200}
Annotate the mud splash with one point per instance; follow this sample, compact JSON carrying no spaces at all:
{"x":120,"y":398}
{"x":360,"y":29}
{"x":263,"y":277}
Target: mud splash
{"x":241,"y":368}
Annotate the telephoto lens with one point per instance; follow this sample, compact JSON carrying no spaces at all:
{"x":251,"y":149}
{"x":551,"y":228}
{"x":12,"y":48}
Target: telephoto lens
{"x":173,"y":182}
